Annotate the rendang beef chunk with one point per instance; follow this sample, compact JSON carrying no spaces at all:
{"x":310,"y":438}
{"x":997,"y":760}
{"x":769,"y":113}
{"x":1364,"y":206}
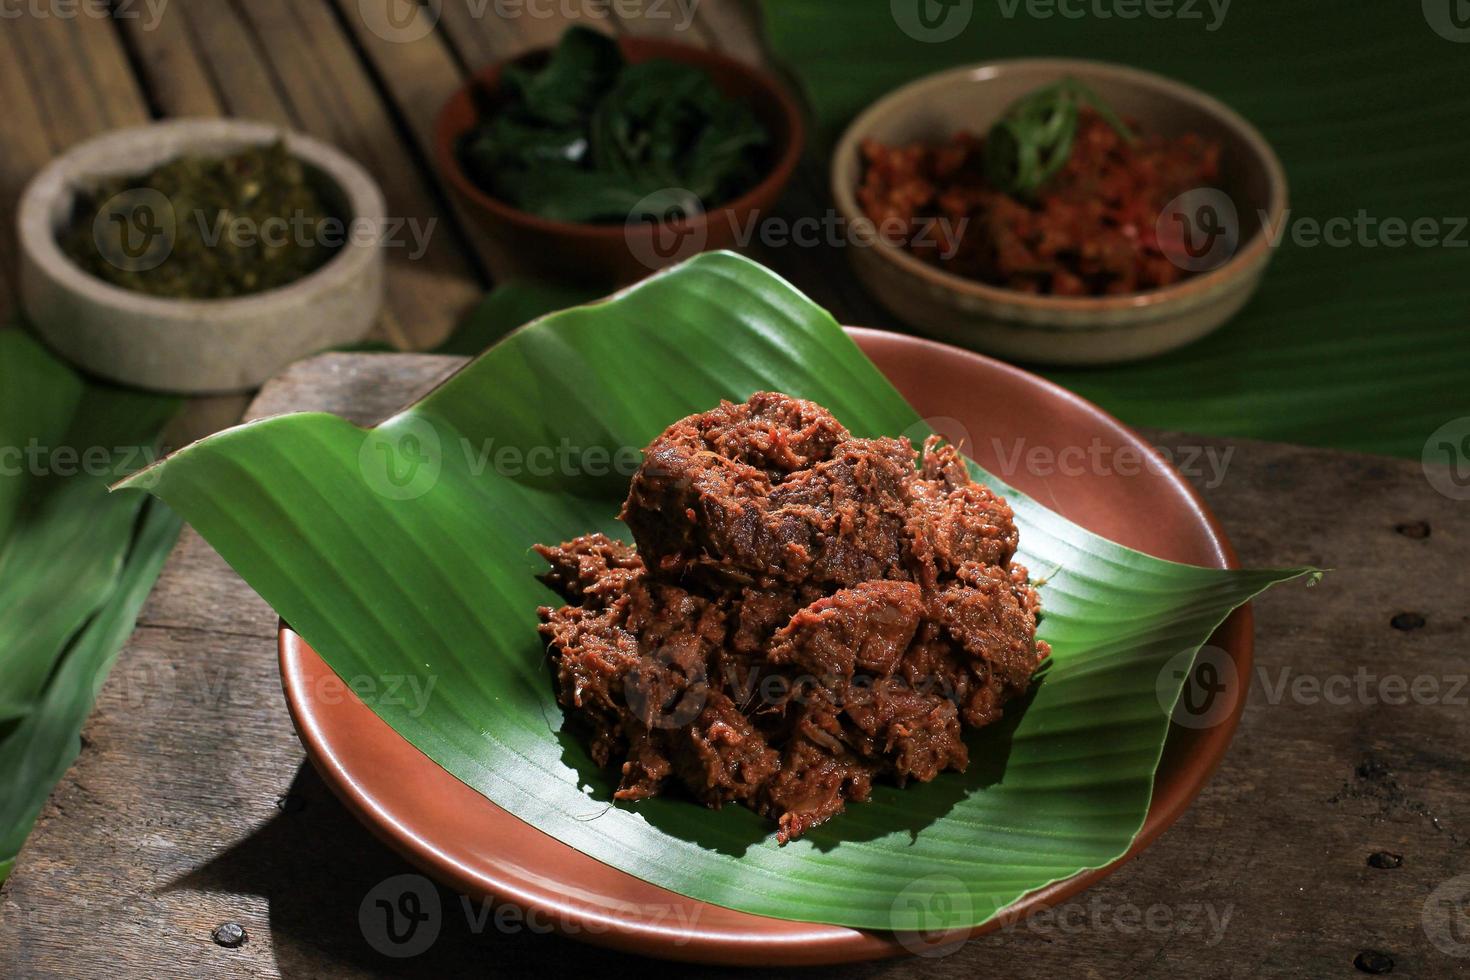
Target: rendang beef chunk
{"x":804,"y":612}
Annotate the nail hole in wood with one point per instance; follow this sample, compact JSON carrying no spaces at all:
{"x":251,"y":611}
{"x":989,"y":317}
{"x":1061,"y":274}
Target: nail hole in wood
{"x":1373,"y":961}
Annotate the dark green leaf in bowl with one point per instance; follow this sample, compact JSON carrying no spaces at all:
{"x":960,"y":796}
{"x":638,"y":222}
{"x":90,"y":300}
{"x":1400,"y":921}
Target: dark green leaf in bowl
{"x":588,"y":138}
{"x":582,"y":67}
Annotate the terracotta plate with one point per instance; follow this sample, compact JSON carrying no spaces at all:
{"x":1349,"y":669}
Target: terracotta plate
{"x":478,"y":849}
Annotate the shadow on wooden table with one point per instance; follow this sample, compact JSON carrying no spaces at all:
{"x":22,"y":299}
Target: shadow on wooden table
{"x":342,"y":903}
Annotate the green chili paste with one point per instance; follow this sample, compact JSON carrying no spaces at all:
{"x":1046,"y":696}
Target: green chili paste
{"x":206,"y":227}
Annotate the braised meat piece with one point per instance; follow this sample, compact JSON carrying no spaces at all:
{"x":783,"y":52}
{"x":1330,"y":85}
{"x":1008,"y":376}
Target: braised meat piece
{"x":593,"y":567}
{"x":819,"y":774}
{"x":868,"y":626}
{"x":722,"y":757}
{"x":959,"y":521}
{"x":804,"y":612}
{"x":914,"y":734}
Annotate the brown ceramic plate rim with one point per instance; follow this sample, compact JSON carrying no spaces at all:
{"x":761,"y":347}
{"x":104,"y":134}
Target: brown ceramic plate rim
{"x":446,"y":135}
{"x":1174,"y":789}
{"x":1188,"y":291}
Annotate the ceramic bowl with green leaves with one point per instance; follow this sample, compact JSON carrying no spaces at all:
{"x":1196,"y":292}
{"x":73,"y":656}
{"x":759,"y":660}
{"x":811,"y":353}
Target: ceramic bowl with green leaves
{"x":601,"y":160}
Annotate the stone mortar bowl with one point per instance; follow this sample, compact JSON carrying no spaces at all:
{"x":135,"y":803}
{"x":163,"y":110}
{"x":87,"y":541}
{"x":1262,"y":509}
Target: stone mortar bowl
{"x":208,"y":345}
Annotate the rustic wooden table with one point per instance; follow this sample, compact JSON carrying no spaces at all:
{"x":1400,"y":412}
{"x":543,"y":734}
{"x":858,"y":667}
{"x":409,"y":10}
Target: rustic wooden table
{"x":1334,"y":839}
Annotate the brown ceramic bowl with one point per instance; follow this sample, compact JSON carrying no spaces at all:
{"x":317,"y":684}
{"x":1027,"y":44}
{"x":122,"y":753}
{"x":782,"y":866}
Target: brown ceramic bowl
{"x":1054,"y":329}
{"x":603,"y":254}
{"x":473,"y":846}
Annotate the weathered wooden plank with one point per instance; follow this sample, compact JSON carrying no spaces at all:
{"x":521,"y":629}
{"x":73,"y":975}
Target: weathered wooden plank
{"x":239,"y":74}
{"x":66,"y":60}
{"x":330,"y":95}
{"x":170,"y":824}
{"x":27,"y":147}
{"x":486,"y":31}
{"x":475,"y":43}
{"x":174,"y":67}
{"x":100,"y":55}
{"x":418,"y":73}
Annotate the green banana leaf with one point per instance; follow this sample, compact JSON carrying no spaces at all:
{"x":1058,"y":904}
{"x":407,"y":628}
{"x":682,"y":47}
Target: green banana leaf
{"x":68,"y":537}
{"x":1359,"y":346}
{"x":403,"y":551}
{"x":35,"y":755}
{"x":66,"y":549}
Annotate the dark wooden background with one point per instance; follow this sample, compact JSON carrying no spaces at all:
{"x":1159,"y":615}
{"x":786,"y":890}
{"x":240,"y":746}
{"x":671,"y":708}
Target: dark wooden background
{"x":1329,"y":844}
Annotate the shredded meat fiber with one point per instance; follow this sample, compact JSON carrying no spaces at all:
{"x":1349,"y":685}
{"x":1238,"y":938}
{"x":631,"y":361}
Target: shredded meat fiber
{"x":804,"y":612}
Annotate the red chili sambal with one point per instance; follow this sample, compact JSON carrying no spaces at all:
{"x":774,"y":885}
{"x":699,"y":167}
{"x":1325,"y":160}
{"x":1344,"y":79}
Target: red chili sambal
{"x":1089,"y":229}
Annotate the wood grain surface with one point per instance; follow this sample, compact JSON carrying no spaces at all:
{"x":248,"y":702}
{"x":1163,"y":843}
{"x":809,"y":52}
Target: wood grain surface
{"x":192,"y":806}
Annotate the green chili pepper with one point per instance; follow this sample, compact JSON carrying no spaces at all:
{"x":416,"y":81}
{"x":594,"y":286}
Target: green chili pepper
{"x":1033,"y":140}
